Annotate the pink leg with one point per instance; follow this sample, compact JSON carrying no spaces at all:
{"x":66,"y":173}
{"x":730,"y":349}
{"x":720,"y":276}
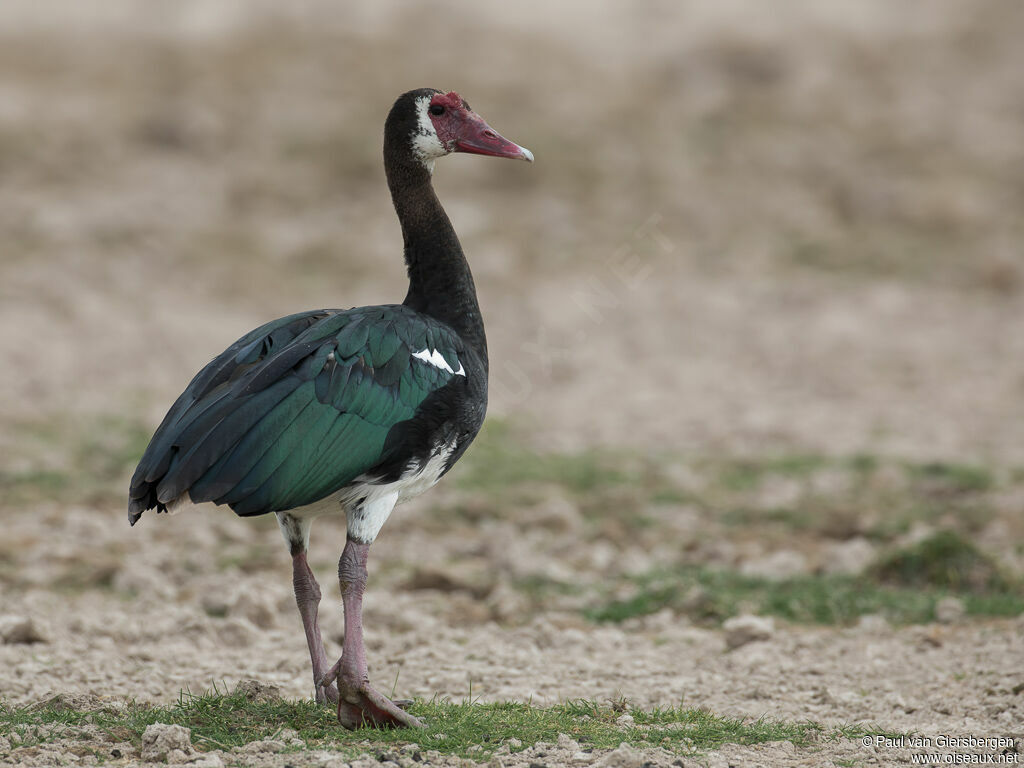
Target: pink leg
{"x":307,"y":597}
{"x":358,"y":703}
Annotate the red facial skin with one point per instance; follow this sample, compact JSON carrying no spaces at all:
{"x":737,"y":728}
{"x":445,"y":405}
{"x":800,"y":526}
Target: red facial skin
{"x":460,"y":129}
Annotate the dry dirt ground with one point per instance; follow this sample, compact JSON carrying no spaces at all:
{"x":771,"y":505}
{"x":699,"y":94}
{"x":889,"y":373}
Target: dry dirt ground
{"x":749,"y":232}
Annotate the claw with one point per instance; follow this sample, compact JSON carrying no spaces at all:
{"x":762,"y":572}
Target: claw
{"x":364,"y":706}
{"x":360,"y":705}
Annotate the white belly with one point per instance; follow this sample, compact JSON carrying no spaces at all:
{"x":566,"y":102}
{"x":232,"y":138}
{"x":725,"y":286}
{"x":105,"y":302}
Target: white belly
{"x":368,"y":504}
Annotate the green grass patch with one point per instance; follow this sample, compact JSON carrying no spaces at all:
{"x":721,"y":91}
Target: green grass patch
{"x":33,"y":483}
{"x":797,"y":518}
{"x":944,"y":560}
{"x":747,"y":474}
{"x":499,"y":461}
{"x":714,"y":595}
{"x":840,"y":496}
{"x":953,"y":478}
{"x":835,"y":496}
{"x":70,"y":458}
{"x":744,"y":474}
{"x":612,"y":490}
{"x":464,"y":729}
{"x":623,"y":494}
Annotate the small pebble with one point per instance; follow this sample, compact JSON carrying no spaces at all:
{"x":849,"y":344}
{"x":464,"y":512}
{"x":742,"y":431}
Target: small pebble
{"x":741,"y":630}
{"x":949,"y":610}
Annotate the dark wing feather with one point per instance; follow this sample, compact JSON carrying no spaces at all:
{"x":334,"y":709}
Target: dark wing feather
{"x":294,"y":410}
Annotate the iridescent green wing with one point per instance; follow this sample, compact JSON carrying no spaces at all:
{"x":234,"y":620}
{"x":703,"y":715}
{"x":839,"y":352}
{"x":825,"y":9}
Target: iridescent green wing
{"x":296,"y":409}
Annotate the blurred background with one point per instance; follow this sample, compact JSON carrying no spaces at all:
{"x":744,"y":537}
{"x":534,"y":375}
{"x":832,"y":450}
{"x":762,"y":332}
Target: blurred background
{"x":756,"y":310}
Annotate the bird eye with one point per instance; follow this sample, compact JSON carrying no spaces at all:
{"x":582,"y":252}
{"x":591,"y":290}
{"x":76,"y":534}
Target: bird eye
{"x":436,"y":109}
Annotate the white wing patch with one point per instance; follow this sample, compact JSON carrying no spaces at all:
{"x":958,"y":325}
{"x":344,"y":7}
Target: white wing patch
{"x":436,"y":359}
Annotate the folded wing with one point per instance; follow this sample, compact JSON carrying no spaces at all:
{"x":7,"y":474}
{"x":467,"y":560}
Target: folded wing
{"x":296,"y":409}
